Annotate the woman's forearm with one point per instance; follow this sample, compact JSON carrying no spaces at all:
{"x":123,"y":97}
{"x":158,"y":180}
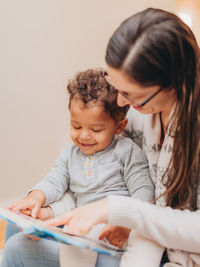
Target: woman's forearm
{"x":169,"y":227}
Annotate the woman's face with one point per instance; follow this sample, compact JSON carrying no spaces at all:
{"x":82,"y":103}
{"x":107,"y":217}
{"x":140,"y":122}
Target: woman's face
{"x":134,"y":94}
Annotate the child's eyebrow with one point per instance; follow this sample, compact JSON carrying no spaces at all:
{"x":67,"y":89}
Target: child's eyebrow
{"x":92,"y":124}
{"x":98,"y":124}
{"x":75,"y":121}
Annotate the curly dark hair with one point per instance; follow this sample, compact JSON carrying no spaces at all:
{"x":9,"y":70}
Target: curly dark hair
{"x":91,"y":87}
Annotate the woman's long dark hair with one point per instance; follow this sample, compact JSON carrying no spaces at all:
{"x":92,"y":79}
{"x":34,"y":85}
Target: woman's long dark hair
{"x":155,"y":47}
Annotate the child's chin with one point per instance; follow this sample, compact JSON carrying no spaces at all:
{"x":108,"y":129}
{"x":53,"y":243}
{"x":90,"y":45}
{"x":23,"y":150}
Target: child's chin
{"x":88,"y":153}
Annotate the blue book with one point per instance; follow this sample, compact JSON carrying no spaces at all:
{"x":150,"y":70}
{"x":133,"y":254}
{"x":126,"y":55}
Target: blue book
{"x":38,"y":228}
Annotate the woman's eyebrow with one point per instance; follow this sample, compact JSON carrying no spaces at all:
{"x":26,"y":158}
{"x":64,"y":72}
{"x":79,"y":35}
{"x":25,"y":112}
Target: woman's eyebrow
{"x":128,"y":94}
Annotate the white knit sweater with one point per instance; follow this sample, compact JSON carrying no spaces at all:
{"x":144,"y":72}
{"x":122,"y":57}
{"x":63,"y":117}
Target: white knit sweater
{"x":159,"y":227}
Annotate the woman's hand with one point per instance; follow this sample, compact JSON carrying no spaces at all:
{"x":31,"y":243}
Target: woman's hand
{"x":82,"y":219}
{"x":116,"y":235}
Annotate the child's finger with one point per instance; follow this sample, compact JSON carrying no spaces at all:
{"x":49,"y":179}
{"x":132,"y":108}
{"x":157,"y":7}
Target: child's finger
{"x":26,"y":212}
{"x":104,"y":233}
{"x":21,"y":206}
{"x":121,"y":243}
{"x":13,"y":205}
{"x":35,"y":238}
{"x":35,"y":211}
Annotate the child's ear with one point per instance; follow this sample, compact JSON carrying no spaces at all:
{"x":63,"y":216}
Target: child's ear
{"x":121,"y":125}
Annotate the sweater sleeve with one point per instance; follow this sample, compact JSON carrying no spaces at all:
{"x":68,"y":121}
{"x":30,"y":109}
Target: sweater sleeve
{"x":136,"y":173}
{"x":65,"y":204}
{"x":56,"y":183}
{"x":171,"y":228}
{"x":142,"y":252}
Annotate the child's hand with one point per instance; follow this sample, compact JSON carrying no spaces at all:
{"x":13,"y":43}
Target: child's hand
{"x":34,"y":238}
{"x":116,"y":235}
{"x":45,"y":214}
{"x":31,"y":204}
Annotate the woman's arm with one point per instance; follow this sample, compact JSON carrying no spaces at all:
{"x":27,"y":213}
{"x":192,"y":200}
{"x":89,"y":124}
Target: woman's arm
{"x":169,"y":227}
{"x":141,"y":252}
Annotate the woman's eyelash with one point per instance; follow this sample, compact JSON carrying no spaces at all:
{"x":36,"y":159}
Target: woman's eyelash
{"x":124,"y":93}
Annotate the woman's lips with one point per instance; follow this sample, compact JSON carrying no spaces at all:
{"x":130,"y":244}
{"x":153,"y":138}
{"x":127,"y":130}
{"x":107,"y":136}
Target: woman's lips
{"x":137,"y":108}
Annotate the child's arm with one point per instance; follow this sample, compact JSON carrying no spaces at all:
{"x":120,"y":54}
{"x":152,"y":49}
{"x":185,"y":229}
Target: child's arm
{"x":65,"y":204}
{"x":56,"y":182}
{"x":139,"y":184}
{"x":48,"y":190}
{"x":137,"y":175}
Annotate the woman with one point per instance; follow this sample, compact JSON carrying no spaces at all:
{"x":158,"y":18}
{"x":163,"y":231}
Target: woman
{"x":153,"y":60}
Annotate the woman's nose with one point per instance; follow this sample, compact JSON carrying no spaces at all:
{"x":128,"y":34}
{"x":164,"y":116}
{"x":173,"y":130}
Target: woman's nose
{"x":122,"y":101}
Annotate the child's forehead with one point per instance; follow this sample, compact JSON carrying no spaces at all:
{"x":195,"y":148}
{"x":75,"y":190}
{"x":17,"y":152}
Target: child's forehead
{"x":78,"y":103}
{"x":94,"y":112}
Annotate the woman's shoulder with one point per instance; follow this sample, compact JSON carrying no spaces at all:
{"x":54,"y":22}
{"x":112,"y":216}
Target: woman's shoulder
{"x":134,"y":128}
{"x":126,"y":149}
{"x":126,"y":145}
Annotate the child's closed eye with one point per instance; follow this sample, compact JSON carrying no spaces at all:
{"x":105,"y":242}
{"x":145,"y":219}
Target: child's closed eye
{"x":77,"y":127}
{"x":97,"y":130}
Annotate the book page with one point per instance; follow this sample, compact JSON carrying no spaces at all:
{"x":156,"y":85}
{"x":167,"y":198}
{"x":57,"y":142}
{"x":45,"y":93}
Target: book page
{"x":39,"y":228}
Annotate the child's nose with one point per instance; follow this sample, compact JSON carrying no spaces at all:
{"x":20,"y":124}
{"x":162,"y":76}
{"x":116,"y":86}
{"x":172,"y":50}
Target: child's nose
{"x":85,"y":135}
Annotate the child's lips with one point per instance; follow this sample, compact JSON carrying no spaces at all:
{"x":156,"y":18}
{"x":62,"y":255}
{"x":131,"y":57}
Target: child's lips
{"x":86,"y":145}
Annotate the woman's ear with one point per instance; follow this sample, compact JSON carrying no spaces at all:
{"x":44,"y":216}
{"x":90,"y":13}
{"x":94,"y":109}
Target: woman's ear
{"x":121,"y":125}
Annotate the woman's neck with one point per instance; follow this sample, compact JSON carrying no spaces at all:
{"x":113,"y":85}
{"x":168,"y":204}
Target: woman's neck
{"x":164,"y":114}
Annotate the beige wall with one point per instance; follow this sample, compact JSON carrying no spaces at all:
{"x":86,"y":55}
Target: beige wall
{"x":189,"y":11}
{"x":42,"y":43}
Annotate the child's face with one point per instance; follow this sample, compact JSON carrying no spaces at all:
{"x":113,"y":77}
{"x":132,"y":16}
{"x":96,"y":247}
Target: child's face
{"x":92,"y":129}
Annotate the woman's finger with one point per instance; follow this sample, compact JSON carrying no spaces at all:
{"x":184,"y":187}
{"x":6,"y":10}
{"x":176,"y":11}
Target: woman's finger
{"x":60,"y":220}
{"x":79,"y":227}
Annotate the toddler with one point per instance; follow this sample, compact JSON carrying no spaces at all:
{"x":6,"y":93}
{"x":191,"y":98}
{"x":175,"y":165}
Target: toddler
{"x":98,"y":163}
